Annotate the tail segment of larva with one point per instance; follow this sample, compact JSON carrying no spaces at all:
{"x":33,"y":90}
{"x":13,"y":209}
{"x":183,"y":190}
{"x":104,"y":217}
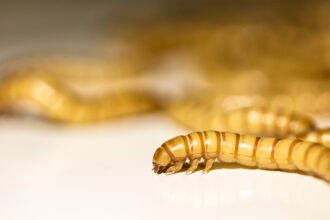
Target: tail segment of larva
{"x":248,"y":150}
{"x":250,"y":120}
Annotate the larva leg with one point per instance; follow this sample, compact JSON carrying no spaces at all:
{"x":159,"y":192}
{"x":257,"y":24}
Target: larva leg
{"x":175,"y":168}
{"x":208,"y":165}
{"x":193,"y":166}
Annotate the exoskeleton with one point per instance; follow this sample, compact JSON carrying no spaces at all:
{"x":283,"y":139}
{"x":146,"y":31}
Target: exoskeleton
{"x":320,"y":136}
{"x":250,"y":120}
{"x":248,"y":150}
{"x":54,"y":100}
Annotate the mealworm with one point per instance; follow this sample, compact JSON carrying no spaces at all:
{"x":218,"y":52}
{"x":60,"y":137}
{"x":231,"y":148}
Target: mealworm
{"x":248,"y":150}
{"x":55,"y":101}
{"x":250,"y":120}
{"x":319,"y":136}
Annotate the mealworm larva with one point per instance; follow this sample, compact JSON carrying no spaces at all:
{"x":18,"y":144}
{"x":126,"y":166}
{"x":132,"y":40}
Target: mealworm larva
{"x":319,"y":136}
{"x":249,"y":120}
{"x":55,"y":101}
{"x":248,"y":150}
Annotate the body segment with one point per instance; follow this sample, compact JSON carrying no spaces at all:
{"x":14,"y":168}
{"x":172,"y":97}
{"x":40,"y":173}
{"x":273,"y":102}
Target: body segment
{"x":320,"y":136}
{"x":248,"y":120}
{"x":55,"y":100}
{"x":248,"y":150}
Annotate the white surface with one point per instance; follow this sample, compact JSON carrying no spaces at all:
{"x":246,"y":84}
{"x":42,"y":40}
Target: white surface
{"x":104,"y":172}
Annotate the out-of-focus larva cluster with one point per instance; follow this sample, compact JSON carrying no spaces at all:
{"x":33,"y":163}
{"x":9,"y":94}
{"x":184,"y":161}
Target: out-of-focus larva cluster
{"x":248,"y":150}
{"x":69,"y":99}
{"x":278,"y":63}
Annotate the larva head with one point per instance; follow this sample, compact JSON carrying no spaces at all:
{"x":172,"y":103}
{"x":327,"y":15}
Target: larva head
{"x":161,"y":160}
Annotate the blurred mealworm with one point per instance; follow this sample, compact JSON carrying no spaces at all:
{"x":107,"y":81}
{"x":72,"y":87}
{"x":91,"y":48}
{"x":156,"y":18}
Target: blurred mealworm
{"x":248,"y":150}
{"x":250,"y":120}
{"x":57,"y":102}
{"x":320,"y":136}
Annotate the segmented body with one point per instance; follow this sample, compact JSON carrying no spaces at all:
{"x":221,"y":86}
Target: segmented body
{"x":55,"y":101}
{"x":248,"y":150}
{"x":249,"y":120}
{"x":319,"y":136}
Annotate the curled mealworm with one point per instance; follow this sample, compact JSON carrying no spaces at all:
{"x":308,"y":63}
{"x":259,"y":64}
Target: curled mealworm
{"x":248,"y":150}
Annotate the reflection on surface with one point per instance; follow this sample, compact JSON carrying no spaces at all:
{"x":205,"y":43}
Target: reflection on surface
{"x":230,"y":187}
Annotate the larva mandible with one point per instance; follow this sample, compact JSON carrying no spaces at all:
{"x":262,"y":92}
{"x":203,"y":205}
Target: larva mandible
{"x":248,"y":150}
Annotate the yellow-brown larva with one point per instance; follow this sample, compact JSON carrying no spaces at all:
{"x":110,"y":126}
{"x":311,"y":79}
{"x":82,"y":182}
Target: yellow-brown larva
{"x":320,"y":136}
{"x":55,"y":101}
{"x":248,"y":150}
{"x":249,"y":120}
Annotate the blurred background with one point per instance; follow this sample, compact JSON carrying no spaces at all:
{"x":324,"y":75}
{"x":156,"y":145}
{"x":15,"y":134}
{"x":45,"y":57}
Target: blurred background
{"x":89,"y":89}
{"x":242,"y":53}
